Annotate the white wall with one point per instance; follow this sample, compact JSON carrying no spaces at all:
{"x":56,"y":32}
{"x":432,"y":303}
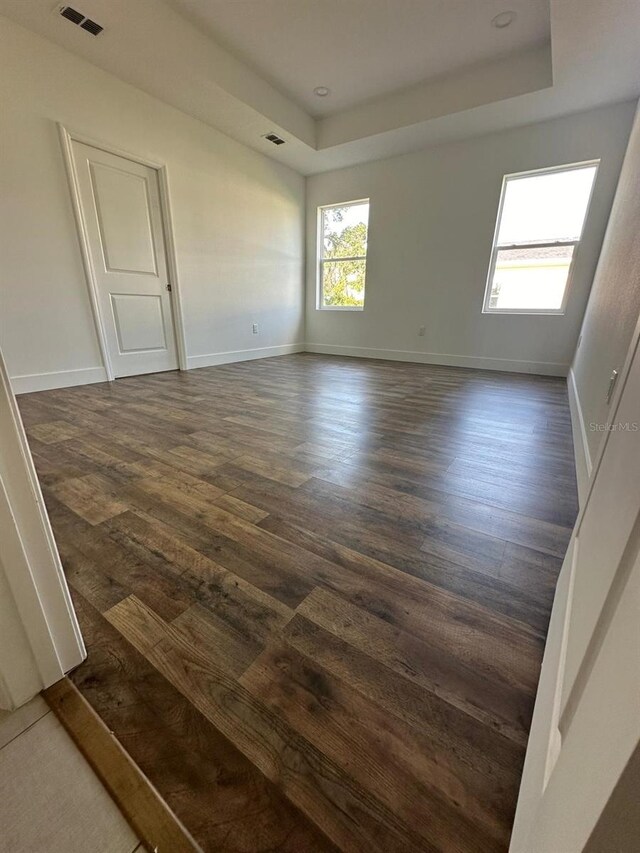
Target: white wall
{"x":431,"y":226}
{"x":614,"y":304}
{"x":238,"y":219}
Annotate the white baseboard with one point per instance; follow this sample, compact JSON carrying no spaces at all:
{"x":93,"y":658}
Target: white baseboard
{"x":85,"y":376}
{"x":213,"y":358}
{"x":546,"y":368}
{"x":58,"y":379}
{"x":584,"y":464}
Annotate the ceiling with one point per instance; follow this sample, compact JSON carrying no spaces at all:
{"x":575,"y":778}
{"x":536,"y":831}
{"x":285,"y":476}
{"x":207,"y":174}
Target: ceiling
{"x":361,"y":49}
{"x":403,"y":74}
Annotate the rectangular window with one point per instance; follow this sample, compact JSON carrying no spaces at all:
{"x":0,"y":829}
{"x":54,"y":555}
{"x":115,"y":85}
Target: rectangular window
{"x":342,"y":255}
{"x":540,"y":222}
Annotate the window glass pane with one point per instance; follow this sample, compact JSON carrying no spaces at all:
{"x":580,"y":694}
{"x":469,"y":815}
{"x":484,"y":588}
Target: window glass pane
{"x":530,"y":279}
{"x":343,"y":284}
{"x":344,"y":231}
{"x":545,"y":208}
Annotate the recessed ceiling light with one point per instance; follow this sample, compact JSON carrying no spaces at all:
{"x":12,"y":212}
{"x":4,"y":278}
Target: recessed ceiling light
{"x":503,"y":20}
{"x":321,"y":91}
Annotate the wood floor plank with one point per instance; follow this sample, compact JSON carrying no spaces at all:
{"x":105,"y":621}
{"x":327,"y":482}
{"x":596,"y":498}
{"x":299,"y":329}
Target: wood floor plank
{"x":306,"y":522}
{"x":272,"y":471}
{"x":315,"y":590}
{"x":118,"y":566}
{"x":227,"y":803}
{"x":467,"y":741}
{"x":241,"y":509}
{"x":386,"y":757}
{"x":90,"y":497}
{"x":502,"y":633}
{"x":516,"y":528}
{"x":238,"y":546}
{"x":232,"y":649}
{"x":53,"y":432}
{"x":308,"y":778}
{"x":114,"y":460}
{"x":503,"y":706}
{"x":245,"y":607}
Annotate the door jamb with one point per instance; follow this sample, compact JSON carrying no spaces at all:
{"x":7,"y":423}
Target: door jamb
{"x":547,"y":712}
{"x":67,"y":137}
{"x":41,"y":639}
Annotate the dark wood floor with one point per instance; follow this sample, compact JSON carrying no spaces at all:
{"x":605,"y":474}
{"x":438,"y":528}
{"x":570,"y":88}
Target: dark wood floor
{"x":315,"y":590}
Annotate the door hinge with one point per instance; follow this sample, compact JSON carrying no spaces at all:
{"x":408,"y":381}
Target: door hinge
{"x":169,"y":288}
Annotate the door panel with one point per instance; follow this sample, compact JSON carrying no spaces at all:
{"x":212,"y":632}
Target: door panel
{"x":605,"y":530}
{"x":139,"y":322}
{"x":124,"y":219}
{"x":602,"y":735}
{"x":120,"y":202}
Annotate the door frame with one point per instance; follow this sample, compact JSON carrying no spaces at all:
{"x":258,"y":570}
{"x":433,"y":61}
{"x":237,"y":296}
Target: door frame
{"x":67,"y":137}
{"x":40,"y":638}
{"x":545,"y":734}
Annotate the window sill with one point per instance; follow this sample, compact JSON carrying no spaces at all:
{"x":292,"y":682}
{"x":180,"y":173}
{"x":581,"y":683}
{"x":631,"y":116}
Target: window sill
{"x":338,"y":308}
{"x":526,"y":312}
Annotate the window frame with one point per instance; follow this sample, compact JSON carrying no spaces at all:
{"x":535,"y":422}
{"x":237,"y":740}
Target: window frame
{"x":495,"y":247}
{"x":320,"y":260}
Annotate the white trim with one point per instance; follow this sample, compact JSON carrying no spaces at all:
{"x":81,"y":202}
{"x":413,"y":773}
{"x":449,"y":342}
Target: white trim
{"x":320,"y":260}
{"x":584,"y":466}
{"x":345,"y":203}
{"x":72,"y":175}
{"x":172,"y":267}
{"x":68,"y":378}
{"x":213,"y":358}
{"x":542,"y":735}
{"x":544,"y":722}
{"x":29,"y":558}
{"x":495,"y":248}
{"x":58,"y":379}
{"x":554,"y":743}
{"x":66,"y":139}
{"x":546,"y":368}
{"x":7,"y":702}
{"x":340,"y":308}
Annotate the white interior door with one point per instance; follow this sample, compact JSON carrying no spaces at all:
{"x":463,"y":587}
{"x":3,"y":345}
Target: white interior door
{"x":120,"y":202}
{"x":586,"y":726}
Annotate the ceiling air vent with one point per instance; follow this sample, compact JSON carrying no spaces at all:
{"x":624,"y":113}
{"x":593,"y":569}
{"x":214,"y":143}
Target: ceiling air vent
{"x":80,"y":20}
{"x":273,"y":137}
{"x":71,"y":15}
{"x":91,"y":27}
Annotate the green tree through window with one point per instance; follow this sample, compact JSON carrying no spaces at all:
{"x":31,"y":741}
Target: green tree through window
{"x":343,"y":255}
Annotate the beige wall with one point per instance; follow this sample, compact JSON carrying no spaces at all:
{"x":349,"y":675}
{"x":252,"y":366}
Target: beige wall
{"x":238,"y":217}
{"x":614,"y":305}
{"x":618,"y":827}
{"x":431,"y":227}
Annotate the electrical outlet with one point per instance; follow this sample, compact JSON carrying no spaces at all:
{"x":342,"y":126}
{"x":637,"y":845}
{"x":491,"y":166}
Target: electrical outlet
{"x":254,"y":328}
{"x":421,"y":331}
